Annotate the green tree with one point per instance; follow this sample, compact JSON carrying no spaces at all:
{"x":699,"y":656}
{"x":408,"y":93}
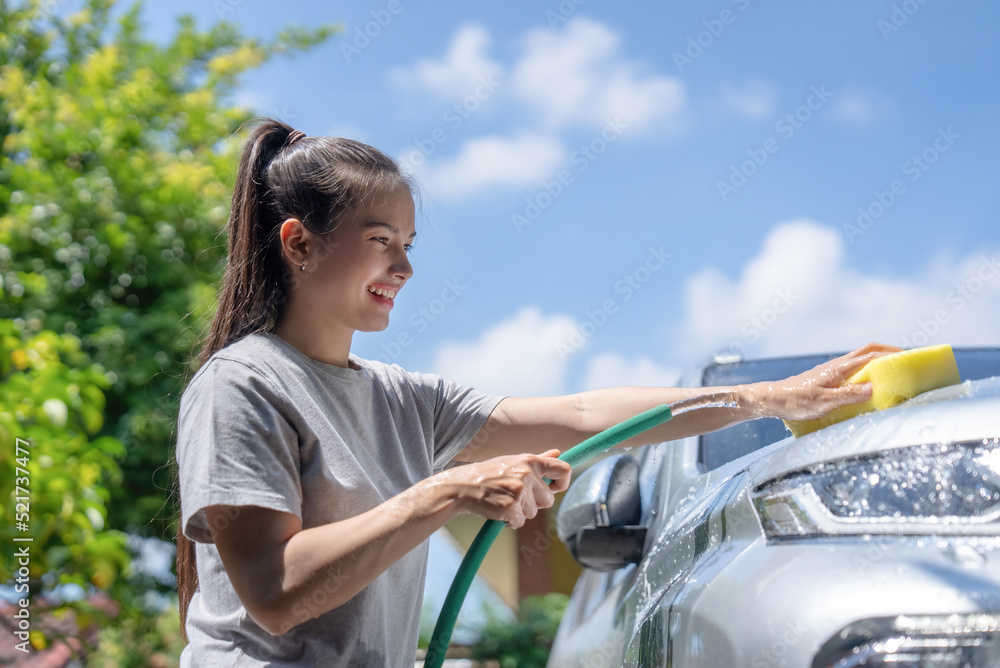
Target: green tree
{"x":115,"y":178}
{"x":116,"y":162}
{"x":526,"y":642}
{"x":51,"y":405}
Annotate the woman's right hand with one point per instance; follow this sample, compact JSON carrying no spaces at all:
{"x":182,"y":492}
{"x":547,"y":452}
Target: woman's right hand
{"x":812,"y":394}
{"x":510,"y":489}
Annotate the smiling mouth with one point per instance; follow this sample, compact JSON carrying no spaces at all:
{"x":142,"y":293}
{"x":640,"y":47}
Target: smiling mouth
{"x":382,"y":292}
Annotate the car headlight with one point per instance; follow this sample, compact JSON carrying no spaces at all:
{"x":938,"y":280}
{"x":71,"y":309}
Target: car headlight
{"x":951,"y":488}
{"x":909,"y":641}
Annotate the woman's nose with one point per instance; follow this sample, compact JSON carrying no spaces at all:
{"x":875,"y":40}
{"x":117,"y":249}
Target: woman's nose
{"x":401,"y":266}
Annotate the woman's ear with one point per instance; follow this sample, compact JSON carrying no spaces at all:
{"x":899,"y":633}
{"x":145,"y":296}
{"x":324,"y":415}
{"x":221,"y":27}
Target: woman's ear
{"x":295,"y":239}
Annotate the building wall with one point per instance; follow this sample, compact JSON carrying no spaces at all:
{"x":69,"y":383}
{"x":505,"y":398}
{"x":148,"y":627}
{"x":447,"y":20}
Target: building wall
{"x":531,"y":561}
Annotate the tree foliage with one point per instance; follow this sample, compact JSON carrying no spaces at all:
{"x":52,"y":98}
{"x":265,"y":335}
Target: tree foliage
{"x":52,"y":405}
{"x":117,"y":155}
{"x":115,"y":176}
{"x":528,"y":641}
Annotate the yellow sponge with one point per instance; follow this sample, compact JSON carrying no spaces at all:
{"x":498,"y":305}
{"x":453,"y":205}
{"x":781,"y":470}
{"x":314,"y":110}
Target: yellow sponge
{"x":894,"y":378}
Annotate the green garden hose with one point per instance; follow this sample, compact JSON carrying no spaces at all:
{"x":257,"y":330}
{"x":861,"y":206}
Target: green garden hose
{"x":594,"y":445}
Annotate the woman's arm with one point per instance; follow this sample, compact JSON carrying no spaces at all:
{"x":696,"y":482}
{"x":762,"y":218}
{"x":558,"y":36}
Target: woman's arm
{"x":534,"y":424}
{"x":285,"y":575}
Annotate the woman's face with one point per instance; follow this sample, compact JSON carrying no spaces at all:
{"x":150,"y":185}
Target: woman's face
{"x":358,"y":269}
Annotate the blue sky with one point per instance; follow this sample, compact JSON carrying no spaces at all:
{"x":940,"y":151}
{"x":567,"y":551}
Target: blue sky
{"x":698,"y":171}
{"x":612,"y":193}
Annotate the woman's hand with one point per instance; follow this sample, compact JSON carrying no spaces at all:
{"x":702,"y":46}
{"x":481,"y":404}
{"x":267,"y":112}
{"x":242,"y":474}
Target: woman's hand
{"x":816,"y":392}
{"x":510,"y":489}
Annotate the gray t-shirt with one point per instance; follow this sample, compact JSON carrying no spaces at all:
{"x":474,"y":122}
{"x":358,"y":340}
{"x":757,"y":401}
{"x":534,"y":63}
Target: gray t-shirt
{"x":263,"y":424}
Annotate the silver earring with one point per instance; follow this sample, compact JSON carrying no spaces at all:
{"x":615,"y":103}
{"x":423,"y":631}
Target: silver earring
{"x":303,"y":267}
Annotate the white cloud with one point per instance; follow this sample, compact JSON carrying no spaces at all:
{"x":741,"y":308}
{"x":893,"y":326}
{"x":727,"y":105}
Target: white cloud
{"x":516,"y":357}
{"x":577,"y":76}
{"x":465,"y":65}
{"x":574,"y":76}
{"x":614,"y":370}
{"x":755,"y":100}
{"x":861,"y":108}
{"x":797,"y":296}
{"x":493,"y":161}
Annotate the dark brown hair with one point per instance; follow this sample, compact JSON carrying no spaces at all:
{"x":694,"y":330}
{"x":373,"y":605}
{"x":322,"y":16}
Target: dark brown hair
{"x":315,"y":179}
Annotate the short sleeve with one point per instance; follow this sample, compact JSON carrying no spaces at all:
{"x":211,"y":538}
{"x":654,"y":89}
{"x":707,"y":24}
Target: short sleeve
{"x":234,"y":446}
{"x":459,"y":413}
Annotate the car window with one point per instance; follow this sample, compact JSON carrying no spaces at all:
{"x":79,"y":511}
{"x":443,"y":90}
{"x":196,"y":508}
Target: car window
{"x":592,"y":587}
{"x":726,"y":445}
{"x":596,"y":589}
{"x":650,"y":462}
{"x":615,"y":577}
{"x":723,"y":446}
{"x":978,"y":363}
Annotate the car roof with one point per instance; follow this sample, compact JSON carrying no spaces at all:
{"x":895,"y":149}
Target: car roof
{"x":973,"y":364}
{"x":721,"y":447}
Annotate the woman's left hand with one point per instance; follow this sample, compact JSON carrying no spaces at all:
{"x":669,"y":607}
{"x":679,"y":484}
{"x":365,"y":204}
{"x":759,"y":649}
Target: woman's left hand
{"x":816,"y":392}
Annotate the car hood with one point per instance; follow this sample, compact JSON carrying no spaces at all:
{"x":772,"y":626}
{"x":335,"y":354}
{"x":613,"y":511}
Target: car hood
{"x":964,"y":412}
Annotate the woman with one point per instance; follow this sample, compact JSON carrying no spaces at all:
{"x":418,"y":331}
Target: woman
{"x":310,"y":478}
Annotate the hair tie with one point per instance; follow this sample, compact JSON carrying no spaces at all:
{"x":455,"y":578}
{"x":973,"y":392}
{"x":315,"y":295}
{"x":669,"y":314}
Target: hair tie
{"x":294,"y":136}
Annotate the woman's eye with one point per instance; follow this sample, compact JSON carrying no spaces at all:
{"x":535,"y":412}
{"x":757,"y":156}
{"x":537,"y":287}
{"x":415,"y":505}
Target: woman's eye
{"x":385,"y":242}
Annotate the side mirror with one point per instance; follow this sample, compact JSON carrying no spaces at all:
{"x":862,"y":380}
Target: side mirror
{"x":598,"y":518}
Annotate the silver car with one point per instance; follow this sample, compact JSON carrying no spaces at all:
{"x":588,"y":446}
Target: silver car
{"x":872,"y":542}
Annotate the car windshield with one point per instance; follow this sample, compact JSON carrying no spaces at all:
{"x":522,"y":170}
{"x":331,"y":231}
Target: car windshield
{"x":722,"y":447}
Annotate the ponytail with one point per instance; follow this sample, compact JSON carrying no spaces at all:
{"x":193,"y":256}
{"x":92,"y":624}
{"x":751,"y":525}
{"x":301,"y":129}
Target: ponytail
{"x":281,"y":175}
